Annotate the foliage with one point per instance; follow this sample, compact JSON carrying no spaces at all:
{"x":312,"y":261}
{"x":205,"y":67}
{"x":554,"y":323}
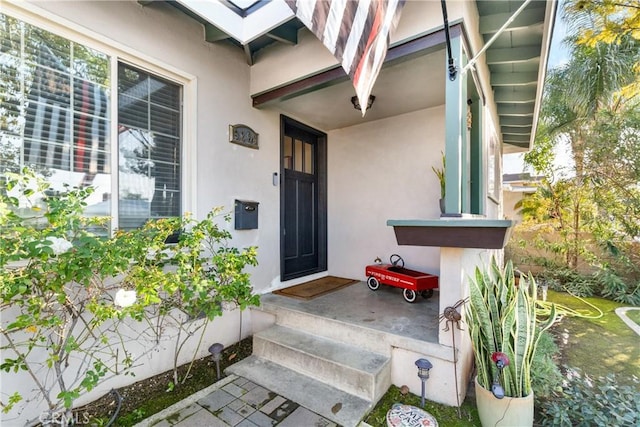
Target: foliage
{"x":586,"y":401}
{"x":615,"y":288}
{"x":197,"y":275}
{"x":616,"y":279}
{"x":546,"y":377}
{"x":588,"y":107}
{"x":502,"y":318}
{"x":447,"y":416}
{"x":56,"y":304}
{"x":568,"y":280}
{"x":611,"y":22}
{"x":441,"y":177}
{"x":71,"y":299}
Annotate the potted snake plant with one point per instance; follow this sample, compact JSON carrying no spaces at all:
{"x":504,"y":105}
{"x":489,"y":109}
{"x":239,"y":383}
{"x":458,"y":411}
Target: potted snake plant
{"x":504,"y":331}
{"x":441,"y":180}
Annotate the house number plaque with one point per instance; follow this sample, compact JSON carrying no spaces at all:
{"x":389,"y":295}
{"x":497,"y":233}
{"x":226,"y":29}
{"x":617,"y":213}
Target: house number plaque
{"x":243,"y":135}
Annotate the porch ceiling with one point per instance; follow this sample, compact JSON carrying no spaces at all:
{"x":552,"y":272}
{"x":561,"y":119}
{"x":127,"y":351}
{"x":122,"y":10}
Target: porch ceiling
{"x":516,"y":60}
{"x":400,"y":88}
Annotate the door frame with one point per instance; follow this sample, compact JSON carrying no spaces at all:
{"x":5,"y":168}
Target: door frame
{"x":321,"y":208}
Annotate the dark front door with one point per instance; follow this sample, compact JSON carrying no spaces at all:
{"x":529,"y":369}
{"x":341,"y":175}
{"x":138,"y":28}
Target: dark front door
{"x":303,"y":194}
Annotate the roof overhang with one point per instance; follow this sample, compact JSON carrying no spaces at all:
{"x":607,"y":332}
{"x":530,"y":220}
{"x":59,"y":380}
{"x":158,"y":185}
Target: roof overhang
{"x":516,"y":59}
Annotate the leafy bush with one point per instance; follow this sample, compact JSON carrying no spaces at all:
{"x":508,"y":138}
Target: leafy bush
{"x":69,"y":298}
{"x":567,"y":280}
{"x":615,"y":288}
{"x":585,"y":401}
{"x":546,"y":377}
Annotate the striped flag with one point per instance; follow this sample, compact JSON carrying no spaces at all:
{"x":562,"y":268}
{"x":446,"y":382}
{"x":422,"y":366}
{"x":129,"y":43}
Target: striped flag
{"x":356,"y":33}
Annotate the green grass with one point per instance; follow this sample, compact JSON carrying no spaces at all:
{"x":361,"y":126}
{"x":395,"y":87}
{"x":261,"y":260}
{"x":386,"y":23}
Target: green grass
{"x":597,"y":346}
{"x":447,"y":416}
{"x":634,"y":315}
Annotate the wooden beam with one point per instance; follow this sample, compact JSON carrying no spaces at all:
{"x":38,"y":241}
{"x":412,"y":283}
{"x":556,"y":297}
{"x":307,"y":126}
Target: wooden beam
{"x":514,"y":79}
{"x":516,"y":138}
{"x":248,"y":54}
{"x":286,"y":35}
{"x":515,"y":121}
{"x":516,"y":130}
{"x":511,"y":55}
{"x":515,"y":109}
{"x":336,"y":74}
{"x":527,"y":19}
{"x":516,"y":96}
{"x":213,"y":34}
{"x":518,"y":144}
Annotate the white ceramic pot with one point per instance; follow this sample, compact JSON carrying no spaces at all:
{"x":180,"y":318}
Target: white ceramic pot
{"x":505,"y":412}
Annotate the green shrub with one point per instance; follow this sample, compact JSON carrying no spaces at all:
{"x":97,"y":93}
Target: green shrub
{"x":546,"y":377}
{"x":614,"y":287}
{"x":563,"y":279}
{"x":585,"y":401}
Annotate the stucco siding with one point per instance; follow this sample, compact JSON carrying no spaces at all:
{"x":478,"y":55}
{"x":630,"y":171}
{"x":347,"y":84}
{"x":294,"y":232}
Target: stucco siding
{"x":219,"y":89}
{"x":378,"y":171}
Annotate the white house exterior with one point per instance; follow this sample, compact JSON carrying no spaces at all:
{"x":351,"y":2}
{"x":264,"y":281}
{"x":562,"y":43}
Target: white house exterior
{"x":369,"y":170}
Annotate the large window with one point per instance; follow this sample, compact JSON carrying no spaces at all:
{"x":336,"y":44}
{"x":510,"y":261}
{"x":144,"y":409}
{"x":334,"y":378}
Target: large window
{"x":55,"y":117}
{"x":149,"y":147}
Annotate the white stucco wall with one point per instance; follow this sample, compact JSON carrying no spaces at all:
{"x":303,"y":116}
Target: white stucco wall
{"x":216,"y":95}
{"x":378,"y":171}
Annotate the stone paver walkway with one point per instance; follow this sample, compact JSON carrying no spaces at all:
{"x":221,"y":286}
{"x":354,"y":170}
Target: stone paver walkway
{"x":236,"y":401}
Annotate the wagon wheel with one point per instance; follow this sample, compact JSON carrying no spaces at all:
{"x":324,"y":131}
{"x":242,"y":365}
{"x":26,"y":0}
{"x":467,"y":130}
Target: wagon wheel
{"x":373,"y":283}
{"x":409,"y":295}
{"x":427,"y":294}
{"x":395,"y":260}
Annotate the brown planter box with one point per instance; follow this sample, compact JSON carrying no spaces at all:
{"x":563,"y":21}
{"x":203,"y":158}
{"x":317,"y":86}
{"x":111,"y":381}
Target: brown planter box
{"x":478,"y":233}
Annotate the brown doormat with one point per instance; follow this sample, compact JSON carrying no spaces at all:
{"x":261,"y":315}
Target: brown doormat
{"x":315,"y":288}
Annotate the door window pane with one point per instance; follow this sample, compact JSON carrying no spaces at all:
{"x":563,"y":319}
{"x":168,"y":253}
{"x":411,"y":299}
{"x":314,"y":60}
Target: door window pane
{"x":308,"y":158}
{"x":297,"y":155}
{"x":288,"y":152}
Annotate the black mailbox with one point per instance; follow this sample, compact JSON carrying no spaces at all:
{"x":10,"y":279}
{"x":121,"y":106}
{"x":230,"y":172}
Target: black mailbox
{"x":246,"y":215}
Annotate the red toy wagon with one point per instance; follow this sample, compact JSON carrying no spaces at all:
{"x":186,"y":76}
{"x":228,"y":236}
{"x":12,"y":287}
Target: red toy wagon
{"x":395,"y":274}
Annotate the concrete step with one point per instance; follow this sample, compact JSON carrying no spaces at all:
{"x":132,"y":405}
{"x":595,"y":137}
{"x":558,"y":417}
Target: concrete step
{"x":342,"y":408}
{"x":354,"y":334}
{"x":353,"y":370}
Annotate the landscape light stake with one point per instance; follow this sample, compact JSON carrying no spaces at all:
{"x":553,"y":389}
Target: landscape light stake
{"x":424,"y":366}
{"x":216,"y":352}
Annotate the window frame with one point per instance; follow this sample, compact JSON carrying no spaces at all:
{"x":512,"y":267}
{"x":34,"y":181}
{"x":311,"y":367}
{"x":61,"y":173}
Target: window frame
{"x":119,"y":53}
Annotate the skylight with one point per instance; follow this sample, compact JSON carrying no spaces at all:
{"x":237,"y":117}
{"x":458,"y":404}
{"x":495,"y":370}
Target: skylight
{"x":244,"y":4}
{"x":258,"y":17}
